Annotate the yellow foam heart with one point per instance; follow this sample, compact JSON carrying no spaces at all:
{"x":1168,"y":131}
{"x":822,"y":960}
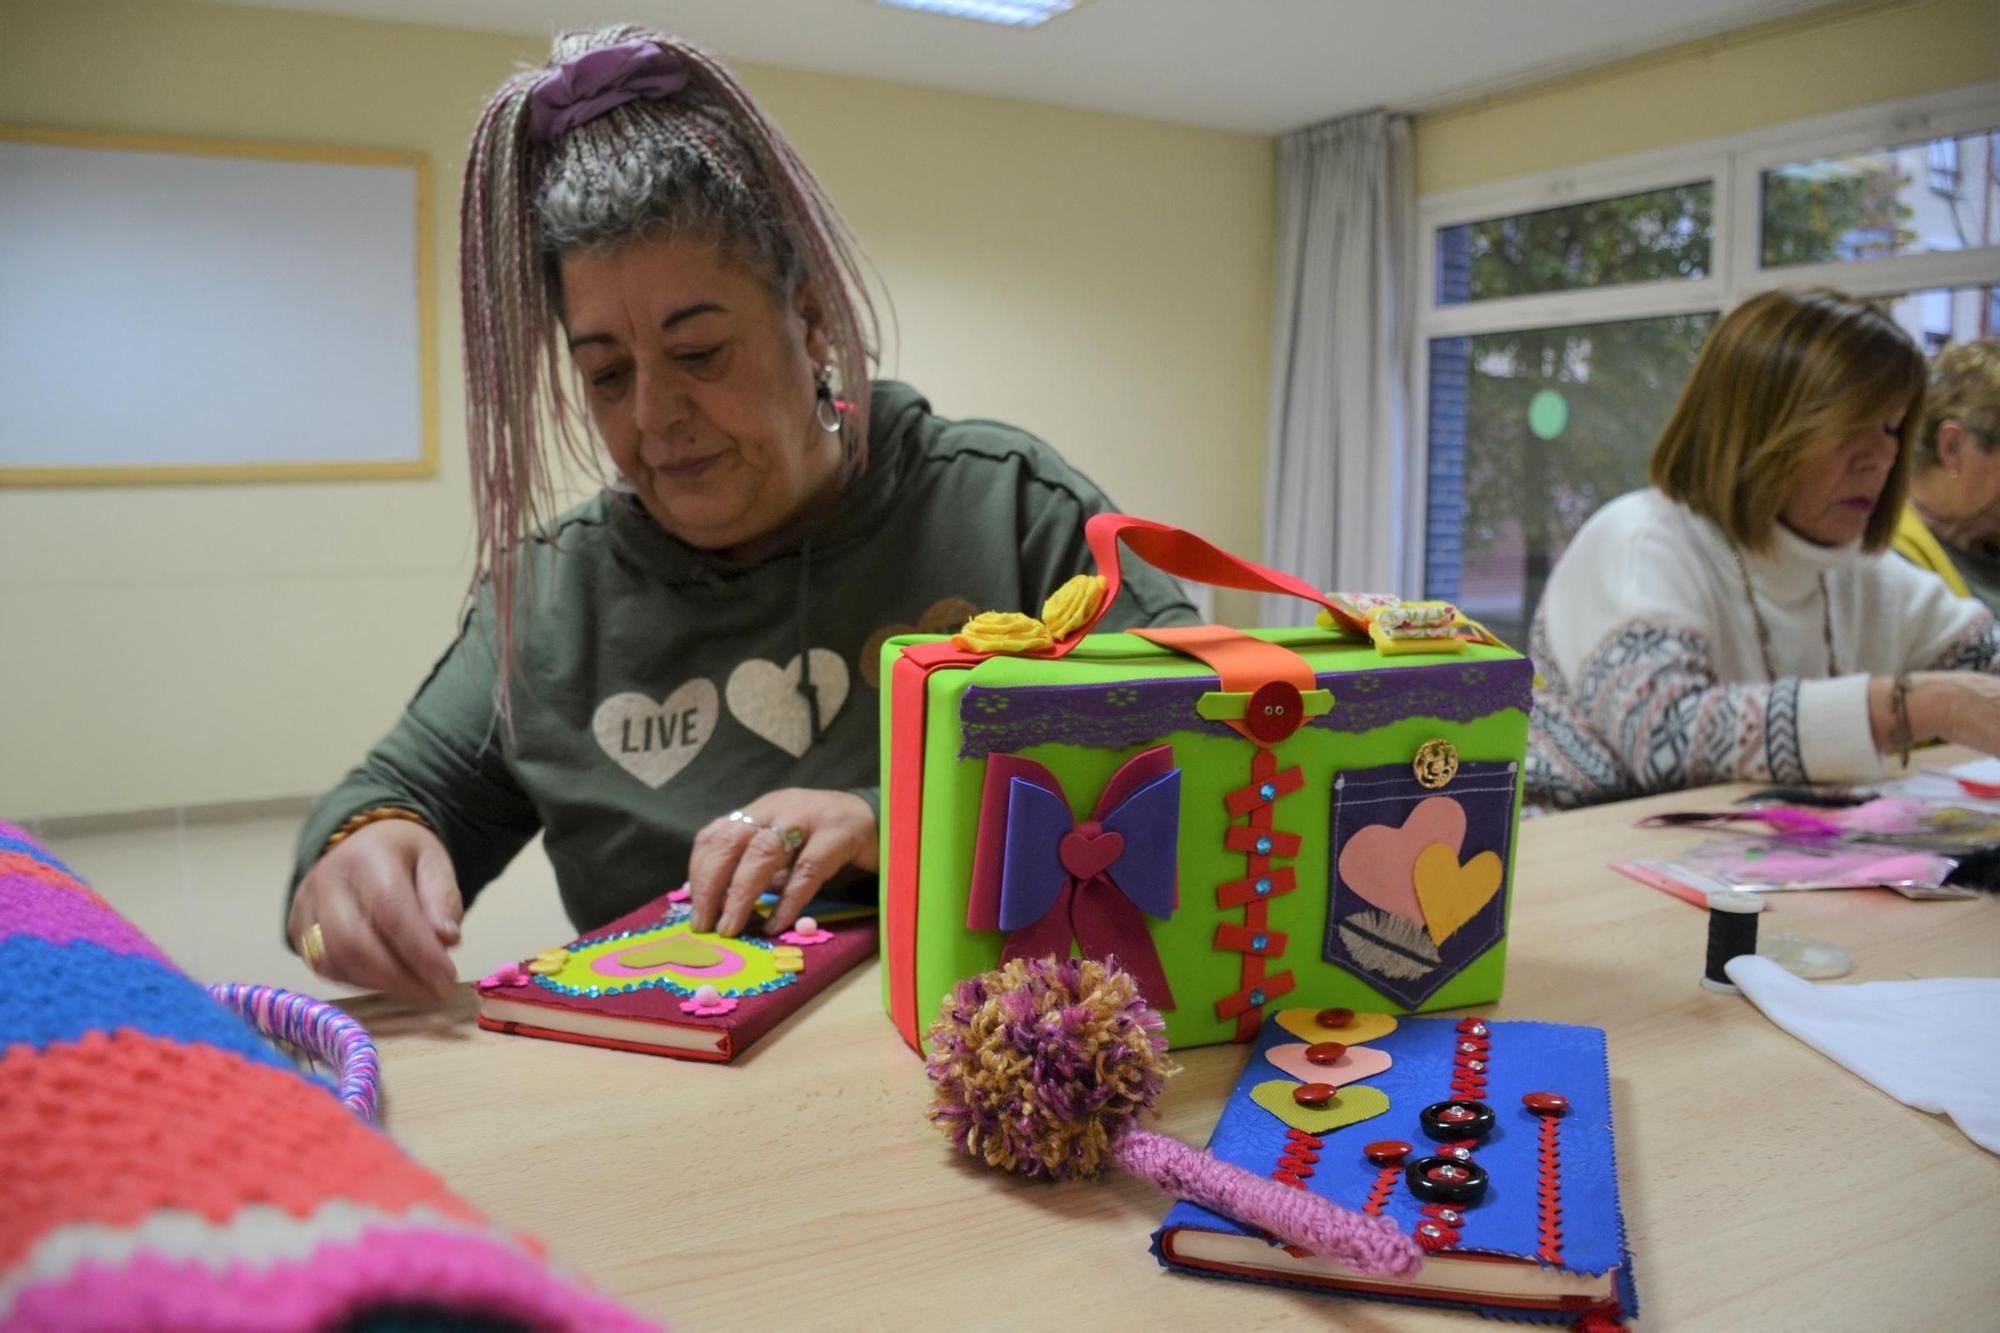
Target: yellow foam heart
{"x":673,"y":951}
{"x":1304,"y":1023}
{"x":1350,"y":1106}
{"x":1452,"y":894}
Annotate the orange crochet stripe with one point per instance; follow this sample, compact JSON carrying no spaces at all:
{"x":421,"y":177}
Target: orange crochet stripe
{"x":20,"y":863}
{"x":96,"y":1111}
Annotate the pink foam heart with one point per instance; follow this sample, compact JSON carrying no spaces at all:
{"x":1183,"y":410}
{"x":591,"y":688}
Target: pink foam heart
{"x":1380,"y":862}
{"x":1087,"y":851}
{"x":1360,"y":1062}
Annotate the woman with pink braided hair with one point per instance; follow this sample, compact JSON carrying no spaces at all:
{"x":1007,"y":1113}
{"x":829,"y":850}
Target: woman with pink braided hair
{"x":675,"y":679}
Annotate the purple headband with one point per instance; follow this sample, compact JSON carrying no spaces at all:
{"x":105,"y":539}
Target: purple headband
{"x":582,"y":89}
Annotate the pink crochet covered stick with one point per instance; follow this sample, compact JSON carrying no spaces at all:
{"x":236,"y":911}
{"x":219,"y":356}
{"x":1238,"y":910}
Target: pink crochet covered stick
{"x":1297,"y":1217}
{"x":1043,"y":1068}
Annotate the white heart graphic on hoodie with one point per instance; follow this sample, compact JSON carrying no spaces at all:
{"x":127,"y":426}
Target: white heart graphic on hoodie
{"x":655,"y":741}
{"x":765,"y":698}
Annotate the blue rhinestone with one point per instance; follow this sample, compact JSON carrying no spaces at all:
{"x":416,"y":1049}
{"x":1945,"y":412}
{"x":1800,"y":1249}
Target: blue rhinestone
{"x":1262,"y":887}
{"x":1258,"y":942}
{"x":1263,"y":846}
{"x":1257,"y":998}
{"x":1269,"y":791}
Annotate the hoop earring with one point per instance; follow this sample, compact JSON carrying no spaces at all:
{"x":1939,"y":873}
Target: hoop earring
{"x":826,"y":412}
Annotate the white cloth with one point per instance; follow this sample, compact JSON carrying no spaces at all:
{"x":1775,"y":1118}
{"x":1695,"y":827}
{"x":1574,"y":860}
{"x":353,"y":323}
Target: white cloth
{"x":1647,"y":576}
{"x":1934,"y":1045}
{"x":1338,"y":452}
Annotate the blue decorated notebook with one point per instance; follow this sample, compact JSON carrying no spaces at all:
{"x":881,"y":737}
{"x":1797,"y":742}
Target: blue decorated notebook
{"x":1543,"y":1240}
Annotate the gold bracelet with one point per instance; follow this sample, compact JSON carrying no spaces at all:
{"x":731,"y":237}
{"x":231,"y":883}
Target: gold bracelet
{"x":372,"y":816}
{"x":1900,"y":737}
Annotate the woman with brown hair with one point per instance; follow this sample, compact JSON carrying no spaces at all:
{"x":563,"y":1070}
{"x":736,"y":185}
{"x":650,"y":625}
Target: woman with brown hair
{"x":1952,"y":524}
{"x":675,"y":679}
{"x":1738,"y":620}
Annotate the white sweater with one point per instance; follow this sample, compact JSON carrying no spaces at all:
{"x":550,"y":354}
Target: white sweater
{"x":1652,"y":676}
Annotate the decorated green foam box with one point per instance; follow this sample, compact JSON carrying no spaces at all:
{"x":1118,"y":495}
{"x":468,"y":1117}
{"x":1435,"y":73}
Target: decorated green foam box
{"x":1247,"y":820}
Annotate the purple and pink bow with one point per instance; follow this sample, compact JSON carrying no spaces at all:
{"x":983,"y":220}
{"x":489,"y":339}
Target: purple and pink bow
{"x":1048,"y":879}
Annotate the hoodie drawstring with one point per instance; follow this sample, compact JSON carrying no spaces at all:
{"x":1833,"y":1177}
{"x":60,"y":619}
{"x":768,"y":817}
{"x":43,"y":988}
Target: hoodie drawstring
{"x":805,"y":651}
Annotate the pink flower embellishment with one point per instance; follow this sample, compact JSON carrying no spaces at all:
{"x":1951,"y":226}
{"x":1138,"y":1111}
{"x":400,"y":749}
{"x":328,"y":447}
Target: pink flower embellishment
{"x":806,"y":931}
{"x":681,"y":895}
{"x":507,"y":974}
{"x":707,"y":1002}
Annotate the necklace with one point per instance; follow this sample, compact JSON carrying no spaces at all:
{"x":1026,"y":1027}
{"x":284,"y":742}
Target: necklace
{"x":1764,"y":630}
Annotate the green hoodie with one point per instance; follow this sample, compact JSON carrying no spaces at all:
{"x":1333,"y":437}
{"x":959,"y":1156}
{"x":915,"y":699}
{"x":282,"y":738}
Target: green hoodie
{"x":658,"y":686}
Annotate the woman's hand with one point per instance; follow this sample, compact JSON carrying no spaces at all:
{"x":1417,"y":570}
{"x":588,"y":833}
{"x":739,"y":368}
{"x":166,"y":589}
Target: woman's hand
{"x":1957,"y":707}
{"x":387,"y":905}
{"x":734,"y":862}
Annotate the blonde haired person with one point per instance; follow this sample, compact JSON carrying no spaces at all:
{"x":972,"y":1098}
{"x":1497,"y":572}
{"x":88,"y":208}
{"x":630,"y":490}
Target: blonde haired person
{"x":1738,"y":619}
{"x":674,"y":679}
{"x":1952,"y":524}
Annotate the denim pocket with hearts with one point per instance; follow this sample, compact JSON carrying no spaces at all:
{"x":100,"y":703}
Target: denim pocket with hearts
{"x":1417,"y":887}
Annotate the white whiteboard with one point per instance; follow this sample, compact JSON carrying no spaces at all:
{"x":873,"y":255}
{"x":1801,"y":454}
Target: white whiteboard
{"x":175,"y":312}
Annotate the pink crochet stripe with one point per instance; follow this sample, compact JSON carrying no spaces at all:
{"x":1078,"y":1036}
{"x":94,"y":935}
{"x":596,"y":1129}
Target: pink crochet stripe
{"x":32,"y":906}
{"x":1294,"y":1215}
{"x":385,"y":1266}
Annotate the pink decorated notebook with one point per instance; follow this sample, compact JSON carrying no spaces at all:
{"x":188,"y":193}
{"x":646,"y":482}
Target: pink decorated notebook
{"x":645,"y":982}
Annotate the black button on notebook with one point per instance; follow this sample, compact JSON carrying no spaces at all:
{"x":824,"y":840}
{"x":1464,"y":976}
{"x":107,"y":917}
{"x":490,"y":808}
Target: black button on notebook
{"x":1453,"y":1120}
{"x":1444,"y":1180}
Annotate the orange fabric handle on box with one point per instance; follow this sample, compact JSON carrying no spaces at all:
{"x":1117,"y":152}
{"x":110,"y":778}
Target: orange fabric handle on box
{"x":1185,"y":556}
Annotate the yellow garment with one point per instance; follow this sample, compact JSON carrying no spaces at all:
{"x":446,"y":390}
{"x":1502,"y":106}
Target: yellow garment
{"x":1916,"y":544}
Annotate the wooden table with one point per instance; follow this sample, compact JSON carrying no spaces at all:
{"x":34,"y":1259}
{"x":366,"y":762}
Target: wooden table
{"x":1764,"y":1186}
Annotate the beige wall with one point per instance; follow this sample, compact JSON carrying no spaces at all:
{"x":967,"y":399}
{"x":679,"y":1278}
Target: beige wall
{"x":1789,"y":69}
{"x":1102,"y":281}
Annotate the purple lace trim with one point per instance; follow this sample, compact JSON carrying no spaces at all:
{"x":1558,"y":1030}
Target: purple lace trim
{"x":1112,"y":717}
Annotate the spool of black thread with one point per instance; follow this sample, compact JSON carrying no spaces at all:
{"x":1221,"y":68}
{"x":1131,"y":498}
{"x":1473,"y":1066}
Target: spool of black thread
{"x":1732,"y":932}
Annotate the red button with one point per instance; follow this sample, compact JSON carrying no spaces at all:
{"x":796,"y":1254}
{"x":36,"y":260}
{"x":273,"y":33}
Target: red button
{"x":1324,"y":1052}
{"x":1546,"y":1103}
{"x":1334,"y":1018}
{"x":1275,"y":711}
{"x":1386,"y":1152}
{"x":1448,"y":1174}
{"x":1313,"y":1094}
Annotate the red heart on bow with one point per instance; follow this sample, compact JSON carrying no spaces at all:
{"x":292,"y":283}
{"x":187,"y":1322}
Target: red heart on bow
{"x":1087,"y":851}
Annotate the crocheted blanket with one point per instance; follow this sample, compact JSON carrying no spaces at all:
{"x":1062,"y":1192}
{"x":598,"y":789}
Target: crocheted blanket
{"x":167,"y":1168}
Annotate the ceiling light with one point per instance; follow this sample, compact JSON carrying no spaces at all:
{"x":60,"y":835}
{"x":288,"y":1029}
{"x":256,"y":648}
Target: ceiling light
{"x":1008,"y":13}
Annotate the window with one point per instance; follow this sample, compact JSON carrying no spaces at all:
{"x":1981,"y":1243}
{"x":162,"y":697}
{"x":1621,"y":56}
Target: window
{"x":1882,"y":202}
{"x":1944,"y":166}
{"x":1560,"y":315}
{"x":1645,"y":237}
{"x":1530,"y":431}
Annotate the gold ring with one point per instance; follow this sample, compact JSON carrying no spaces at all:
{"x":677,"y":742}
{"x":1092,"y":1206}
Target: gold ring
{"x":312,"y":946}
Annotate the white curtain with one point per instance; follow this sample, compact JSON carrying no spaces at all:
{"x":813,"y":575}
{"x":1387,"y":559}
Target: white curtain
{"x":1338,"y":453}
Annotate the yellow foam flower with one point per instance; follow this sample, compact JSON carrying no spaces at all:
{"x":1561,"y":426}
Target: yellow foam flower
{"x":1001,"y":632}
{"x":1071,"y":606}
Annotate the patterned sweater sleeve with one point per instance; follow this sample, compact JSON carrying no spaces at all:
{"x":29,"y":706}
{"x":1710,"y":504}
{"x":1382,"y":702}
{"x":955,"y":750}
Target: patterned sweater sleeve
{"x":1650,"y":692}
{"x":1977,"y":648}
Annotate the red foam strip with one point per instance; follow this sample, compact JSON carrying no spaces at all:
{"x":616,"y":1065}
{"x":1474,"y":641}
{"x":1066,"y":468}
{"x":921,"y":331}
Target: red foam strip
{"x":1245,"y":799}
{"x":1242,"y":892}
{"x":1243,"y":838}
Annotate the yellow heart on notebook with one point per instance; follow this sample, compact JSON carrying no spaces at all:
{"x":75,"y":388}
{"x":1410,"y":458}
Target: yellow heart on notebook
{"x":1358,"y":1028}
{"x":1349,"y":1106}
{"x":1452,"y":894}
{"x":674,"y":951}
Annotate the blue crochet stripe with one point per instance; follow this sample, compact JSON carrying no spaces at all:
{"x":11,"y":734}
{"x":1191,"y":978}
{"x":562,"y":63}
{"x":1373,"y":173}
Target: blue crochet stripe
{"x":38,"y":852}
{"x":60,"y":992}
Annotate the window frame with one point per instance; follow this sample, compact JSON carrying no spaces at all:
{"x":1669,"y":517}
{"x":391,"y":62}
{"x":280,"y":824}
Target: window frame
{"x":1733,"y":165}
